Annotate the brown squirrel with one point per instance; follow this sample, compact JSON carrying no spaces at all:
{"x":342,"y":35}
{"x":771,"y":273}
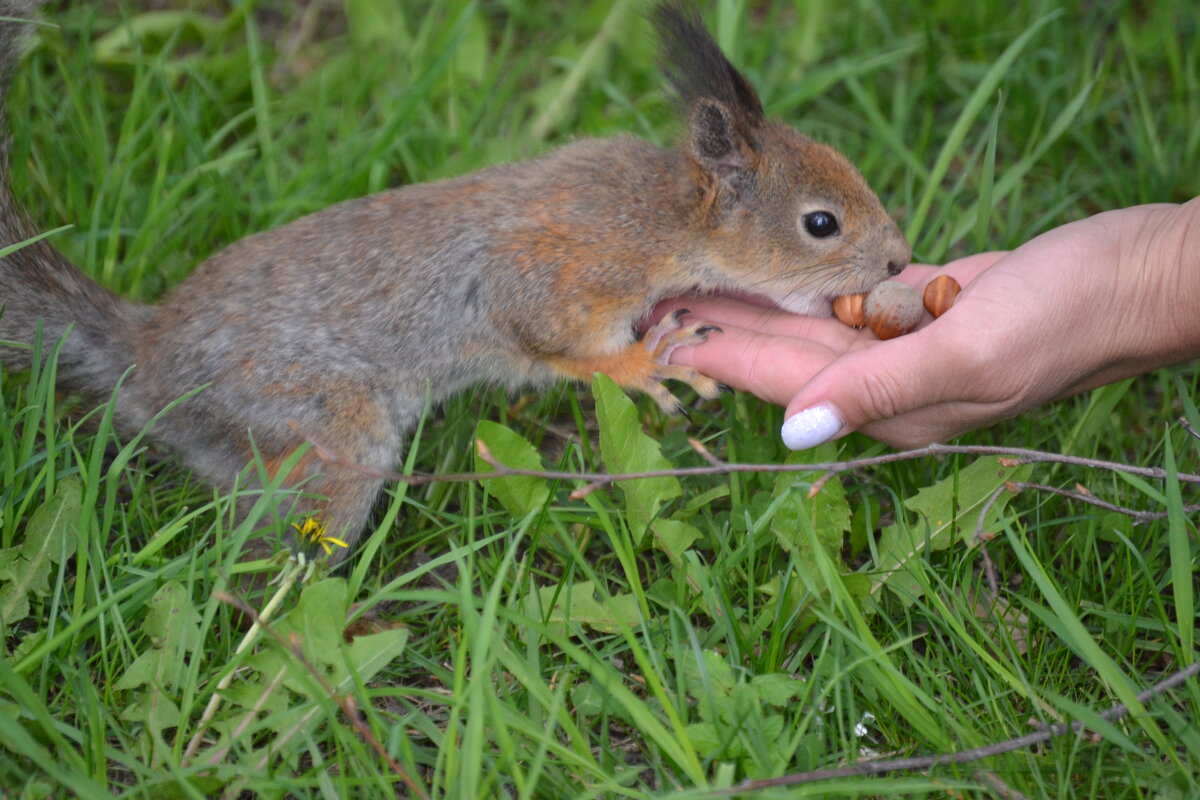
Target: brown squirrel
{"x":339,"y":323}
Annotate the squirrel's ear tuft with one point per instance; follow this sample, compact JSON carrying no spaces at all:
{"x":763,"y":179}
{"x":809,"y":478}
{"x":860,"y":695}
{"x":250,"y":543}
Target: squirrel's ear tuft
{"x":697,"y":69}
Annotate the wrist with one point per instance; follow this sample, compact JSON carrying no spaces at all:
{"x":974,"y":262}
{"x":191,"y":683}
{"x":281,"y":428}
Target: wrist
{"x":1160,"y":263}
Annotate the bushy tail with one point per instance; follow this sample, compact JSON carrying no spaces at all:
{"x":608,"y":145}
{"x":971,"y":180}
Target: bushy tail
{"x":38,"y":284}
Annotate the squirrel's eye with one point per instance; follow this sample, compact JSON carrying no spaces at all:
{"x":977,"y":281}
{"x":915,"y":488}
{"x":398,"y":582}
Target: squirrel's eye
{"x":820,"y":224}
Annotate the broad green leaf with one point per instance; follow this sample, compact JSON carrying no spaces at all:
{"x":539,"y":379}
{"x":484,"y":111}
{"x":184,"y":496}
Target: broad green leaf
{"x":519,"y":494}
{"x":49,"y":539}
{"x":153,"y":708}
{"x":626,"y":448}
{"x":472,"y":49}
{"x":858,"y":587}
{"x":315,"y":626}
{"x":802,"y":521}
{"x":173,"y":626}
{"x":777,"y":688}
{"x":826,"y":515}
{"x":589,"y":700}
{"x":705,"y":738}
{"x":674,"y":537}
{"x":578,"y":604}
{"x":948,"y":512}
{"x":171,"y":619}
{"x":251,"y":694}
{"x":371,"y":653}
{"x":316,"y":623}
{"x":712,"y":675}
{"x":376,"y":25}
{"x":785,"y":600}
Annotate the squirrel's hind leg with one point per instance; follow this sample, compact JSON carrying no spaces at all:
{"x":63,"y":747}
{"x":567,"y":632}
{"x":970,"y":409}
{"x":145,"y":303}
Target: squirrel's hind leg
{"x":341,"y":475}
{"x":333,"y":501}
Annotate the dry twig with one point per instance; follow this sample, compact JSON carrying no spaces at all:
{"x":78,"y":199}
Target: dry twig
{"x":1009,"y":456}
{"x":883,"y":766}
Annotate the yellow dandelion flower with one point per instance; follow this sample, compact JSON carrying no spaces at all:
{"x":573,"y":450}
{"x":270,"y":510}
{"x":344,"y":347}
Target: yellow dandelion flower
{"x":313,"y":530}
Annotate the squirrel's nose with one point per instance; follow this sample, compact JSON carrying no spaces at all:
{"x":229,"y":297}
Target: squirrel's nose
{"x":894,"y":267}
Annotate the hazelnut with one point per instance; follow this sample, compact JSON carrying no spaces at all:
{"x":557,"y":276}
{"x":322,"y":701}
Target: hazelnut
{"x":940,"y":294}
{"x":849,"y":310}
{"x":892,"y":309}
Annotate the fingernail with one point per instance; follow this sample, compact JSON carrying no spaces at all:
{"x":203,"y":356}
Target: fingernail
{"x":811,"y":427}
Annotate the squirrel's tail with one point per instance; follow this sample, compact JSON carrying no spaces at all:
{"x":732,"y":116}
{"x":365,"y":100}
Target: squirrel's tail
{"x":38,"y":285}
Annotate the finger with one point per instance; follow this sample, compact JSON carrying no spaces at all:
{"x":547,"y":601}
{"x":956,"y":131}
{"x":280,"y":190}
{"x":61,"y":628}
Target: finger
{"x":825,"y":331}
{"x":966,"y":268}
{"x":772,"y":367}
{"x":873,"y":384}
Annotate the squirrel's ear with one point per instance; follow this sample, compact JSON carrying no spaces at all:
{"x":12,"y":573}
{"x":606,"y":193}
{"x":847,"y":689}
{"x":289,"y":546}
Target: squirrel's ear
{"x":723,"y":110}
{"x":714,"y":140}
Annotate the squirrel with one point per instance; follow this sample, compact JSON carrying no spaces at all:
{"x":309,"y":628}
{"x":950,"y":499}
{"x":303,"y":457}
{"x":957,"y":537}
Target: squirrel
{"x":339,"y":323}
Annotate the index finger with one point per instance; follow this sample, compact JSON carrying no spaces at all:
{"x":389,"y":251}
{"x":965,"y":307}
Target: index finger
{"x":768,"y":366}
{"x":729,"y":313}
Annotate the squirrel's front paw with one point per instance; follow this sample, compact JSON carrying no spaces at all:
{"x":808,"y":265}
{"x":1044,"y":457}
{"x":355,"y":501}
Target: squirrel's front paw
{"x":643,"y":365}
{"x":660,"y":341}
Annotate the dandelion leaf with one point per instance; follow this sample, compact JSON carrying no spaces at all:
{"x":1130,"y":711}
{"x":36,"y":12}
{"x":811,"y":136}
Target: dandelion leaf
{"x":519,"y":494}
{"x":172,"y":626}
{"x":801,"y":522}
{"x":315,"y":626}
{"x":947,"y":512}
{"x":625,"y":447}
{"x":577,"y":604}
{"x":50,"y":538}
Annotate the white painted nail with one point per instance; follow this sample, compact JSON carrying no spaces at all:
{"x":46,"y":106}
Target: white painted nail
{"x":811,"y":427}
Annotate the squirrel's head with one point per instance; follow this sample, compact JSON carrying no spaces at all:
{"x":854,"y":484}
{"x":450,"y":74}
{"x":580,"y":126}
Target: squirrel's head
{"x":782,"y":216}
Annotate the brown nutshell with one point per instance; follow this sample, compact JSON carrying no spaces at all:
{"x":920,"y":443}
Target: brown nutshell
{"x":889,"y":323}
{"x":940,"y":294}
{"x":849,"y":310}
{"x":892,"y":309}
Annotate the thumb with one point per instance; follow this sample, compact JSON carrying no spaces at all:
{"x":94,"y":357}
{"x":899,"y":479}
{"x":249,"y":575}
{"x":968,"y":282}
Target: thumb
{"x":872,"y":385}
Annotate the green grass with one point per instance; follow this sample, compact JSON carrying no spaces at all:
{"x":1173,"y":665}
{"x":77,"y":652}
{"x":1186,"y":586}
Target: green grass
{"x":747,"y":654}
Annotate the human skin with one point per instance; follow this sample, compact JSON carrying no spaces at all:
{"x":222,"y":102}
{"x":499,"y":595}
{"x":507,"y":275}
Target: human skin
{"x":1080,"y":306}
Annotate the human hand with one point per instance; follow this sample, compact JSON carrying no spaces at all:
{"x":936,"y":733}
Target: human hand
{"x":1082,"y":305}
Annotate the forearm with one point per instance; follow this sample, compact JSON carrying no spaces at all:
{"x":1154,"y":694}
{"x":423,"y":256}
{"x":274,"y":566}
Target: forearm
{"x":1148,"y":320}
{"x":1164,"y":255}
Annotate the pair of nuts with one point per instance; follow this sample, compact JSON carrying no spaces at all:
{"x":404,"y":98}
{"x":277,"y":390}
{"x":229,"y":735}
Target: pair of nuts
{"x":893,"y":308}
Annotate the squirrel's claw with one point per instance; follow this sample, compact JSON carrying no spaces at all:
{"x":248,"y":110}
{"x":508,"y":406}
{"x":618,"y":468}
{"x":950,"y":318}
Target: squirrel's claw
{"x":661,"y":340}
{"x":670,"y":332}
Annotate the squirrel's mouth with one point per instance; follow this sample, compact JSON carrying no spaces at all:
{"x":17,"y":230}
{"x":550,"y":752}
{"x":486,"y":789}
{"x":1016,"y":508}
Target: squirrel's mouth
{"x":806,"y":304}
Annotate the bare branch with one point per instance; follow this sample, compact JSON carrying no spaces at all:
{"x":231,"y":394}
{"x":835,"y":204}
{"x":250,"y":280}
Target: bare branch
{"x":883,"y":766}
{"x":591,"y":481}
{"x":1012,"y":456}
{"x":704,"y":452}
{"x":1139,"y":516}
